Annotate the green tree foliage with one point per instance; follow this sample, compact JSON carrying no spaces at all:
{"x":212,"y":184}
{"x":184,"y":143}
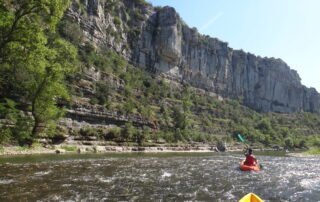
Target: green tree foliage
{"x":139,"y":136}
{"x":18,"y":127}
{"x":71,"y":32}
{"x":180,"y":118}
{"x":127,"y":132}
{"x":33,"y":60}
{"x":289,"y":142}
{"x":10,"y":113}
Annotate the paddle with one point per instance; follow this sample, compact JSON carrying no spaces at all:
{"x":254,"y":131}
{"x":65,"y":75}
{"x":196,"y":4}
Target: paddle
{"x":243,"y":141}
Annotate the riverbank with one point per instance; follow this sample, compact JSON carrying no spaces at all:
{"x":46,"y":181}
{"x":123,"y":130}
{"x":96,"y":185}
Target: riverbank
{"x":63,"y":148}
{"x":303,"y":155}
{"x":59,"y":149}
{"x":312,"y":152}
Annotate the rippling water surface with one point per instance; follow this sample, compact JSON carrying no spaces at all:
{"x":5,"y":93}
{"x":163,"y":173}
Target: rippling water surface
{"x":156,"y":177}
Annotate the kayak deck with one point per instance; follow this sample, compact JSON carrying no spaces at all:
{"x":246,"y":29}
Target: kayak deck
{"x":251,"y":197}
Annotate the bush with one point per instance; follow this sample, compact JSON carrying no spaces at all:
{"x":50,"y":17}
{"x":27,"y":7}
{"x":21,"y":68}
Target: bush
{"x":316,"y":142}
{"x":137,"y":15}
{"x":198,"y":137}
{"x":127,"y":132}
{"x":93,"y":101}
{"x":313,"y":151}
{"x":102,"y":93}
{"x":289,"y":143}
{"x":128,"y":107}
{"x":139,"y":137}
{"x":140,"y":2}
{"x":177,"y":135}
{"x":113,"y":134}
{"x":86,"y":132}
{"x":117,"y":21}
{"x":71,"y":32}
{"x":69,"y":148}
{"x":22,"y":131}
{"x":5,"y":135}
{"x":180,"y":118}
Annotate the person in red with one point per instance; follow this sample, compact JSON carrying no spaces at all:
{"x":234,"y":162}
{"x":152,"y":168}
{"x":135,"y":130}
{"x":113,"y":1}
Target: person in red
{"x":250,"y":159}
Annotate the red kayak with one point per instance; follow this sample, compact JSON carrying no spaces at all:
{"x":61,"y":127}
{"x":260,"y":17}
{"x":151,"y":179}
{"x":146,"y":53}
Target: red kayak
{"x":248,"y":168}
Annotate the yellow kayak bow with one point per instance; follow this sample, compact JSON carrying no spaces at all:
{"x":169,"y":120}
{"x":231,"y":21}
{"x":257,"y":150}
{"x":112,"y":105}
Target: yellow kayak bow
{"x":251,"y":197}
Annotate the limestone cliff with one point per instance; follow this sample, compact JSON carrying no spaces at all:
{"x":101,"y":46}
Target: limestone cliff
{"x":158,"y":39}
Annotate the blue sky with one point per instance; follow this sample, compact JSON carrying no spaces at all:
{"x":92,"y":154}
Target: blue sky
{"x":286,"y":29}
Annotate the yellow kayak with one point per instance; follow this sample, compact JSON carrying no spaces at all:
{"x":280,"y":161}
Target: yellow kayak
{"x":251,"y":197}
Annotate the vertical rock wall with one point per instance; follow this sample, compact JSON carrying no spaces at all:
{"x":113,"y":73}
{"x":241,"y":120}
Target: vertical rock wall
{"x":156,"y":38}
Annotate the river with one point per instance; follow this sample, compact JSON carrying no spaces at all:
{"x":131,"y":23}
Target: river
{"x":156,"y":177}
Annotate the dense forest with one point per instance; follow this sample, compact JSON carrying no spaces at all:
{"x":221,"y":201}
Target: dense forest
{"x":44,"y":64}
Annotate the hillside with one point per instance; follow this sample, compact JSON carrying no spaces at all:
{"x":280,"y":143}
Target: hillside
{"x":159,"y":40}
{"x":124,"y":72}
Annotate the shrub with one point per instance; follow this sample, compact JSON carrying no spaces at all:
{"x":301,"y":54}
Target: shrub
{"x":88,"y":132}
{"x":140,"y":2}
{"x":94,"y":101}
{"x":198,"y":137}
{"x":137,"y":14}
{"x":69,"y":148}
{"x":316,"y":142}
{"x":113,"y":134}
{"x":289,"y":143}
{"x":102,"y":92}
{"x":117,"y":21}
{"x":139,"y":137}
{"x":127,"y":132}
{"x":71,"y":32}
{"x":5,"y":134}
{"x":22,"y":131}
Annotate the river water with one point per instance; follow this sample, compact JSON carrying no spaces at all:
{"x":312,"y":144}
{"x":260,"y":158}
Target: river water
{"x":156,"y":177}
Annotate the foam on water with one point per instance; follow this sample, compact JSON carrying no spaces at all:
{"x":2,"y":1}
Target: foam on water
{"x":165,"y":174}
{"x":4,"y":181}
{"x":41,"y":173}
{"x":105,"y":180}
{"x":313,"y":183}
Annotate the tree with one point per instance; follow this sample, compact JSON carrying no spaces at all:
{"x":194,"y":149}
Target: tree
{"x":127,"y":132}
{"x":264,"y":125}
{"x":71,"y":31}
{"x":180,"y":118}
{"x":33,"y":59}
{"x":140,"y":136}
{"x":288,"y":142}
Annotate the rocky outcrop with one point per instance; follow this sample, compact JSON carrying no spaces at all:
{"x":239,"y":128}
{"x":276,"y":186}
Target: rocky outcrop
{"x":158,"y":39}
{"x":83,"y":114}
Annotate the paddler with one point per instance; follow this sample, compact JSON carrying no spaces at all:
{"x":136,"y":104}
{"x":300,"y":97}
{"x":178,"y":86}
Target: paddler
{"x":250,"y":159}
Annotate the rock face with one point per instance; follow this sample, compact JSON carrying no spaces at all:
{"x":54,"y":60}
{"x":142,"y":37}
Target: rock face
{"x":81,"y":113}
{"x":156,"y":38}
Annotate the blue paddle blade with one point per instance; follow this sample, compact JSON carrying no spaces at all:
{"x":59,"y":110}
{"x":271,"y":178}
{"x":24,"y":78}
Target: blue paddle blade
{"x":240,"y":138}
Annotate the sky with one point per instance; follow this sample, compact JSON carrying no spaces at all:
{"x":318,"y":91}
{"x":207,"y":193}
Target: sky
{"x":286,"y":29}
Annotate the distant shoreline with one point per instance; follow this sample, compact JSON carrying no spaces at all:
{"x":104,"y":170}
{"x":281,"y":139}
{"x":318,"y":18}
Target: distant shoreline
{"x":60,"y":149}
{"x":303,"y":155}
{"x":86,"y":149}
